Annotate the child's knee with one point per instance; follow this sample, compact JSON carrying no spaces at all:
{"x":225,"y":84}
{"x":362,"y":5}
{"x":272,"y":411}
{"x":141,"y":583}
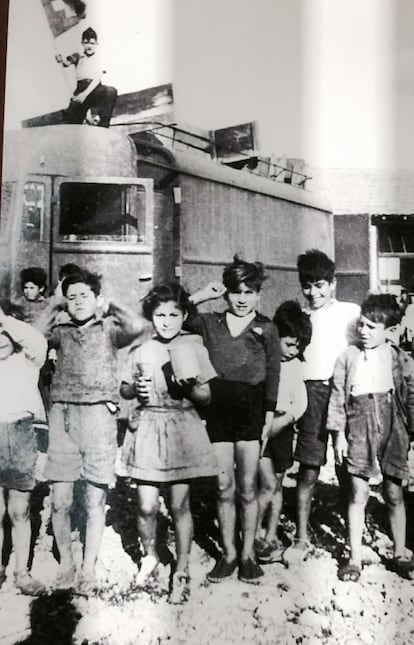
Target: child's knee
{"x":19,"y":514}
{"x":225,"y":487}
{"x":180,"y":507}
{"x":247,"y":492}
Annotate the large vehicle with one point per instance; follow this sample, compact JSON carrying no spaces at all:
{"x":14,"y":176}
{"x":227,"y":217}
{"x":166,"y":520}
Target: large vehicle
{"x":139,"y":213}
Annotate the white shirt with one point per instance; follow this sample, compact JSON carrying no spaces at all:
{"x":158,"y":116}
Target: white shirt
{"x":373,"y":373}
{"x":236,"y":324}
{"x":333,"y":328}
{"x":19,"y":373}
{"x":292,"y":397}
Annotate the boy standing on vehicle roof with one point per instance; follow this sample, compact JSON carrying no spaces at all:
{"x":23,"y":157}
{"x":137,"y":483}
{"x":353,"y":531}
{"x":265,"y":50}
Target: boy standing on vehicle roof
{"x":333,"y":327}
{"x":91,"y":101}
{"x":83,"y":429}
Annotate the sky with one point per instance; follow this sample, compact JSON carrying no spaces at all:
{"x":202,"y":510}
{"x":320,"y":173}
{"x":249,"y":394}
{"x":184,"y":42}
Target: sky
{"x":330,"y":81}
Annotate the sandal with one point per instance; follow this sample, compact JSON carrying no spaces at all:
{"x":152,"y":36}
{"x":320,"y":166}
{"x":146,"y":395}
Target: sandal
{"x":27,"y":585}
{"x":349,"y":572}
{"x":297,"y":552}
{"x":250,"y":571}
{"x":65,"y":578}
{"x":271,"y":552}
{"x":180,"y":589}
{"x":87,"y":585}
{"x":403,"y":566}
{"x":147,"y":570}
{"x":222,"y":570}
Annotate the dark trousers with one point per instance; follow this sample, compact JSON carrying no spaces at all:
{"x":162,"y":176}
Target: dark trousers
{"x":101,"y":100}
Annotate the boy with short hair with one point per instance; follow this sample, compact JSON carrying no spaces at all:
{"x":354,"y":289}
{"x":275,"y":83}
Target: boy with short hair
{"x":33,"y":301}
{"x":295,"y":331}
{"x":91,"y":101}
{"x":84,"y":395}
{"x":371,"y":415}
{"x":333,"y":326}
{"x":244,"y":350}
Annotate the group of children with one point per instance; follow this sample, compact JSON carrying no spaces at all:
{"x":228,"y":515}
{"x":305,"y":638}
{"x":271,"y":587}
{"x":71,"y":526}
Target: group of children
{"x":212,"y":394}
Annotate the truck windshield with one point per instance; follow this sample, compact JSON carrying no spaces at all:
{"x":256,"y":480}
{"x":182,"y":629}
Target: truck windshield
{"x":102,"y":212}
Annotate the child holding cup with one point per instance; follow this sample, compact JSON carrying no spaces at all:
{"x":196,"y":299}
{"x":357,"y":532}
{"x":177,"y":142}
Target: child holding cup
{"x":168,"y":374}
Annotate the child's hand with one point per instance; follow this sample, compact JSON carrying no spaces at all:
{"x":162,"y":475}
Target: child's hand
{"x":214,"y":290}
{"x":280,"y":422}
{"x":142,"y":388}
{"x":340,"y":445}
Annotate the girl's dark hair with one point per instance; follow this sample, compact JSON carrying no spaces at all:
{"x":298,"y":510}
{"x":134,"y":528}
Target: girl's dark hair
{"x":37,"y":275}
{"x":166,"y":293}
{"x":290,"y":320}
{"x":93,"y":280}
{"x":314,"y":265}
{"x":10,"y":309}
{"x":251,"y":273}
{"x":382,"y":308}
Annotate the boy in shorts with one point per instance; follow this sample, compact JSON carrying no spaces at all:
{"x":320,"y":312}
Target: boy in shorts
{"x":371,"y":415}
{"x":333,"y":327}
{"x":22,"y":353}
{"x":295,"y":332}
{"x":83,"y":428}
{"x":243,"y":346}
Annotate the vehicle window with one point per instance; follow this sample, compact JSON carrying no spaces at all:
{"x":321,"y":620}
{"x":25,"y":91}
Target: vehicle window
{"x":33,"y":215}
{"x":102,"y":212}
{"x":7,"y":189}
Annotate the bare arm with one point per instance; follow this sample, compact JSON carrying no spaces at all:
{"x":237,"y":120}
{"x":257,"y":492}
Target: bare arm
{"x":211,"y":291}
{"x":33,"y":343}
{"x":129,"y":326}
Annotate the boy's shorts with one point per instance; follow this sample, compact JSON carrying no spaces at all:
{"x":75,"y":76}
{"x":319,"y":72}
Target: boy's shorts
{"x":236,"y":412}
{"x":18,"y":455}
{"x":82,"y":443}
{"x":373,"y":440}
{"x":312,"y":433}
{"x":280,"y":449}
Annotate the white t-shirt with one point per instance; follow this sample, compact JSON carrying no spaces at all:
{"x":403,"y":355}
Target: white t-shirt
{"x":333,"y":328}
{"x":291,"y":396}
{"x":373,"y":373}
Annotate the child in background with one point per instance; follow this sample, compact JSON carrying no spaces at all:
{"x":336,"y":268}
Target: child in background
{"x":22,"y":353}
{"x":33,"y":301}
{"x":82,"y":420}
{"x":333,"y":326}
{"x":171,"y":445}
{"x":371,"y":415}
{"x":295,"y":332}
{"x":244,"y":350}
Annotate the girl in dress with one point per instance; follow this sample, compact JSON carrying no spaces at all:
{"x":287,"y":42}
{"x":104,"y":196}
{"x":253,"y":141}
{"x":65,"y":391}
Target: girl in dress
{"x":170,"y":445}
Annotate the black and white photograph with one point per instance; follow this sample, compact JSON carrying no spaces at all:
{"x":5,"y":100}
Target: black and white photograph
{"x":207,"y":322}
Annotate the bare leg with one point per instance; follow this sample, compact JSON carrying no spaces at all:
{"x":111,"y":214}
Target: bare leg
{"x":267,"y":480}
{"x":226,"y":509}
{"x":62,"y":497}
{"x":275,"y":508}
{"x":307,"y":478}
{"x":148,"y":505}
{"x":95,"y":498}
{"x":19,"y":512}
{"x":359,"y":493}
{"x":394,"y":498}
{"x":247,"y":465}
{"x":183,"y":522}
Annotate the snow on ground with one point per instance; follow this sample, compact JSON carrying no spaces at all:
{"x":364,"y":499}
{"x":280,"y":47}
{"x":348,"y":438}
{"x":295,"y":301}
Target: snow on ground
{"x":305,"y":603}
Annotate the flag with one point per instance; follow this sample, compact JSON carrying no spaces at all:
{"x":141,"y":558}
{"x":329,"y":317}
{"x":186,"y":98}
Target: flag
{"x":63,"y":14}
